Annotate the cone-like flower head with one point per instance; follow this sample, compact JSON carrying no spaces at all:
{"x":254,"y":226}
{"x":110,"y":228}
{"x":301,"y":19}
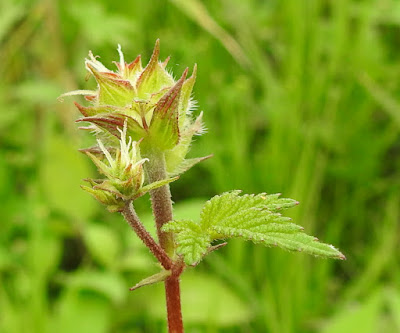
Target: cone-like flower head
{"x":155,"y":107}
{"x":123,"y":169}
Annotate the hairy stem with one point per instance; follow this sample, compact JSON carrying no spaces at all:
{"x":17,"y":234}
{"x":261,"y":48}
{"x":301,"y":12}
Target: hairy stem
{"x":130,"y":216}
{"x":173,"y":297}
{"x":161,"y":200}
{"x":162,"y":210}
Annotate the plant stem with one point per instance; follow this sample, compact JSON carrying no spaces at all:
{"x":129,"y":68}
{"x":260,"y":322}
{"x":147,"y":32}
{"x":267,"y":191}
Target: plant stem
{"x":173,"y":298}
{"x":161,"y":200}
{"x":162,"y":210}
{"x":130,"y":216}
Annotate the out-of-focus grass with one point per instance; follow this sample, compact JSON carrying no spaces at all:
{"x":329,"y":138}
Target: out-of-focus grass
{"x":300,"y":97}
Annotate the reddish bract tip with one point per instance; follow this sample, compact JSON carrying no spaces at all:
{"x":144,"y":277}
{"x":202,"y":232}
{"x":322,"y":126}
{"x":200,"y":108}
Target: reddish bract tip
{"x":90,"y":98}
{"x":165,"y":62}
{"x":136,"y":62}
{"x":82,"y":109}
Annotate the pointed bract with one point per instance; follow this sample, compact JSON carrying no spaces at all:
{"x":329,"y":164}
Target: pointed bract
{"x":184,"y":103}
{"x":187,"y":164}
{"x":165,"y":62}
{"x":94,"y":110}
{"x":164,"y":127}
{"x":150,"y":67}
{"x":113,"y":204}
{"x":175,"y":158}
{"x":154,"y":77}
{"x":110,"y":122}
{"x":112,"y":89}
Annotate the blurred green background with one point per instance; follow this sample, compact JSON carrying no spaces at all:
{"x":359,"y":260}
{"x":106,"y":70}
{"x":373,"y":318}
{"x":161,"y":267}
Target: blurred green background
{"x":299,"y":97}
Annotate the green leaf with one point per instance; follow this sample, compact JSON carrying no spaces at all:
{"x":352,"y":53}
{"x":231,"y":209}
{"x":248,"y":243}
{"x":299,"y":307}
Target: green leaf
{"x":157,"y":184}
{"x":251,"y":217}
{"x":192,"y":241}
{"x":158,"y":277}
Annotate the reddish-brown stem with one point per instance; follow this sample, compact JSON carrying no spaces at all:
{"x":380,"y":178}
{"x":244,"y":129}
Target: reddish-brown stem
{"x":130,"y":216}
{"x":162,"y":210}
{"x":173,"y":295}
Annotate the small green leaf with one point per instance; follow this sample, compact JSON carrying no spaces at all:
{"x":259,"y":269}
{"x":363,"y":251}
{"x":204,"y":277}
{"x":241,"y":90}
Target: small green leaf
{"x":160,"y":276}
{"x":251,"y":217}
{"x":157,"y":184}
{"x":192,"y":241}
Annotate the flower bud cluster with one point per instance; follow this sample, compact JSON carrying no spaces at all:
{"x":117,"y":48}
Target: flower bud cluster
{"x":124,"y":173}
{"x":152,"y":108}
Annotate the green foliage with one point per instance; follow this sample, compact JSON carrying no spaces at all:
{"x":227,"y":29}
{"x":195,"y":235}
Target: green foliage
{"x":251,"y":217}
